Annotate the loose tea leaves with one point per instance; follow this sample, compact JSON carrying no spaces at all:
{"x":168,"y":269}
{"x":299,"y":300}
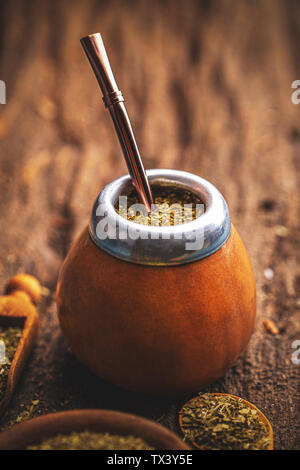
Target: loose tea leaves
{"x":172,"y":206}
{"x":88,"y":440}
{"x":222,"y":422}
{"x":10,"y":337}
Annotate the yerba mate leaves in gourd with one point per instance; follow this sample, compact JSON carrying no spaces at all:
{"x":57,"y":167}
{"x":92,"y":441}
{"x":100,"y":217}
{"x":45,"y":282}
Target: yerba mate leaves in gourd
{"x":175,"y":206}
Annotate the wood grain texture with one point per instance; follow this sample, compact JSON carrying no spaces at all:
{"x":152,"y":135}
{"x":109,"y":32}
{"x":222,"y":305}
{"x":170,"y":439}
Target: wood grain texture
{"x":208,"y":90}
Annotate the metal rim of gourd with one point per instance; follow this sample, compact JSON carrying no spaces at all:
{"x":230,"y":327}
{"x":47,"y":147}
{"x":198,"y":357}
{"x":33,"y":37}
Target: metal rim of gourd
{"x":167,"y":245}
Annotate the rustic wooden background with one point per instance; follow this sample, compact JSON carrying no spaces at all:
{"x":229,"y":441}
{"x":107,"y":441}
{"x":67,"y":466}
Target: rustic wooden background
{"x":208,"y":88}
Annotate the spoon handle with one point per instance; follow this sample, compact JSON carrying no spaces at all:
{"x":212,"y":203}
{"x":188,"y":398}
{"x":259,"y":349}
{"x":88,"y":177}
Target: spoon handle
{"x":114,"y":101}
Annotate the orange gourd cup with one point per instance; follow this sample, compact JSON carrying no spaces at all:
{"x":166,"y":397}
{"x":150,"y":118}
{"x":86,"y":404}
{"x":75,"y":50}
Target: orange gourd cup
{"x":161,"y":310}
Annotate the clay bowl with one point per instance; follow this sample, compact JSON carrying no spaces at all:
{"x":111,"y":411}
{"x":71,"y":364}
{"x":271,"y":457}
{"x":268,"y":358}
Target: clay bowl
{"x":114,"y":422}
{"x":260,"y":414}
{"x":17,"y":310}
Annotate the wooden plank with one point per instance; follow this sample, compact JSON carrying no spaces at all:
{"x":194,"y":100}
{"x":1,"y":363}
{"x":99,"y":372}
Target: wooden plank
{"x":208,"y":89}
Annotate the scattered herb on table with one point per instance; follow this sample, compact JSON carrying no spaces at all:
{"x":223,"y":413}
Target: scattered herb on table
{"x":10,"y":337}
{"x":88,"y":440}
{"x":222,"y":422}
{"x":25,"y":412}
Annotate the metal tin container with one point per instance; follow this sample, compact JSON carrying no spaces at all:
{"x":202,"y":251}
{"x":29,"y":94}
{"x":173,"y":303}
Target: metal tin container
{"x":161,"y":310}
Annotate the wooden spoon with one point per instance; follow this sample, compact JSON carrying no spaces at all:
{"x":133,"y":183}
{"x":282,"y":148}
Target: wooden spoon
{"x":262,"y":418}
{"x":33,"y":431}
{"x":17,"y":309}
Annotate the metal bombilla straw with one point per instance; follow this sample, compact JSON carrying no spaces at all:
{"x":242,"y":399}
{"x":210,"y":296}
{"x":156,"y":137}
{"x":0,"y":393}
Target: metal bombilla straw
{"x":114,"y":101}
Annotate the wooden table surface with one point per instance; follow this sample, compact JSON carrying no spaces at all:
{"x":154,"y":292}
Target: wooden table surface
{"x":208,"y":90}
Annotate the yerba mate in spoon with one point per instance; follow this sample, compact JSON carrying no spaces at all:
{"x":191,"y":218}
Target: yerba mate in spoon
{"x":18,"y":330}
{"x":9,"y":340}
{"x":218,"y":421}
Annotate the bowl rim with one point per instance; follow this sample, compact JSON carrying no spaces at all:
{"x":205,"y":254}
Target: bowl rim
{"x":32,"y":431}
